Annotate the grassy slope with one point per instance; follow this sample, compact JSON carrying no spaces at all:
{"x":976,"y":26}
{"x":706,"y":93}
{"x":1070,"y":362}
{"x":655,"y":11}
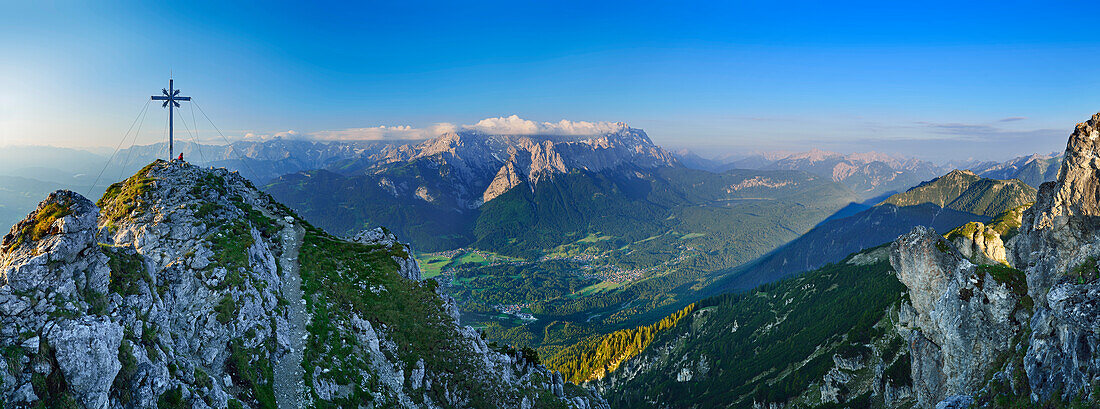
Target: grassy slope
{"x":769,"y":344}
{"x":341,"y":279}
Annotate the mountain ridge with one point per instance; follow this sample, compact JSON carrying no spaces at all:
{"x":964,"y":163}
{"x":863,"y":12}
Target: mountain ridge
{"x":183,"y":303}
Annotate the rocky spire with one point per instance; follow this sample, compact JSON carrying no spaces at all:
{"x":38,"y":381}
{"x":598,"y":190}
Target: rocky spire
{"x":1055,"y":315}
{"x":1062,"y":229}
{"x":1057,"y":247}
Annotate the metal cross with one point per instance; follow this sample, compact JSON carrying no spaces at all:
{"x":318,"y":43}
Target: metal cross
{"x":170,"y":97}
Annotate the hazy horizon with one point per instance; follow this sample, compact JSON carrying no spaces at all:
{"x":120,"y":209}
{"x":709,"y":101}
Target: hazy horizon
{"x":912,"y":79}
{"x":717,"y":155}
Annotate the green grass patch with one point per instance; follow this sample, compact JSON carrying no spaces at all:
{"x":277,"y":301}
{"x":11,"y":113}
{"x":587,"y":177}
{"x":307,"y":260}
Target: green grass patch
{"x":251,"y":369}
{"x":127,"y":270}
{"x":120,"y":389}
{"x":267,"y":226}
{"x":226,"y":310}
{"x":126,"y":197}
{"x":1086,"y":272}
{"x":230,"y":246}
{"x":599,"y":287}
{"x":593,"y":237}
{"x":207,"y":209}
{"x":209,"y":182}
{"x":42,"y":222}
{"x":431,"y":266}
{"x":471,"y":257}
{"x":172,"y":399}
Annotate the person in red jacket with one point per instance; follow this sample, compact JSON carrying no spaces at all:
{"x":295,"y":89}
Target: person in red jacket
{"x":181,"y":157}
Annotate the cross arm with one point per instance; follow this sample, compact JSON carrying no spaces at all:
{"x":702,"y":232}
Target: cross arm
{"x":159,"y":97}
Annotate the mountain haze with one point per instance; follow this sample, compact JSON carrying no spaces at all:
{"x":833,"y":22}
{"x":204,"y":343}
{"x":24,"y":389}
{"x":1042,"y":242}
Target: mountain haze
{"x":1031,"y":169}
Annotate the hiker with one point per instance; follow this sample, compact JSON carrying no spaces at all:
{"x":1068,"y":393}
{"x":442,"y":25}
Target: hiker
{"x":181,"y":157}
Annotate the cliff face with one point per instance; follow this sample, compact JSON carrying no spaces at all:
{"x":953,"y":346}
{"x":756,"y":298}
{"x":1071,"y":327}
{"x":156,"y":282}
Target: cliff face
{"x":963,"y":316}
{"x":1057,"y":247}
{"x":183,"y":288}
{"x":978,"y":242}
{"x":1032,"y":336}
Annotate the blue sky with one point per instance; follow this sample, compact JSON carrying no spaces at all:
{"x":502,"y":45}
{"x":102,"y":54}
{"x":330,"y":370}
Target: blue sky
{"x":932,"y":80}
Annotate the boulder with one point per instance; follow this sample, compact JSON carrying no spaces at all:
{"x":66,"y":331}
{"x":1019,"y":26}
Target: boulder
{"x":87,"y":353}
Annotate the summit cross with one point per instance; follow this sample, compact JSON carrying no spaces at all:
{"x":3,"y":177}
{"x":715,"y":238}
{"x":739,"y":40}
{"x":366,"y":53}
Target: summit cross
{"x":171,"y":95}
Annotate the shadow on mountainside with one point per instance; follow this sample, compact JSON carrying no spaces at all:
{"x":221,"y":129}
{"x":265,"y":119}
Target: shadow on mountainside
{"x":835,"y":238}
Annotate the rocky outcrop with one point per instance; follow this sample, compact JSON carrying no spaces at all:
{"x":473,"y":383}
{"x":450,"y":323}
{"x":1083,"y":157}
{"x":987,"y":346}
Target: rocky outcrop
{"x":1062,"y":229}
{"x":87,"y":353}
{"x":53,"y":272}
{"x":979,"y":243}
{"x":1056,"y":296}
{"x":408,"y":267}
{"x":1058,"y":244}
{"x":1061,"y":358}
{"x":169,"y":292}
{"x":506,"y":179}
{"x":965,"y":316}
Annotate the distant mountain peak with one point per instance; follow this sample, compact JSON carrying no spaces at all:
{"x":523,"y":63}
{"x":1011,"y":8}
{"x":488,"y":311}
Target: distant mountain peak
{"x":965,"y":191}
{"x":961,"y":173}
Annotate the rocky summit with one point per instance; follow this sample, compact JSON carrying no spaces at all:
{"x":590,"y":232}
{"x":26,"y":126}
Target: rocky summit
{"x":996,"y":336}
{"x":188,"y":287}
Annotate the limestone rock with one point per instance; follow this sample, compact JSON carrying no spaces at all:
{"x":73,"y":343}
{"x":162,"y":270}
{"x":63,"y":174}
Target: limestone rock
{"x":956,"y":402}
{"x":1060,"y":234}
{"x":377,"y":236}
{"x":1061,"y":354}
{"x":979,"y":243}
{"x":505,"y":179}
{"x":87,"y":352}
{"x":408,"y":267}
{"x":965,"y":318}
{"x":1062,"y":229}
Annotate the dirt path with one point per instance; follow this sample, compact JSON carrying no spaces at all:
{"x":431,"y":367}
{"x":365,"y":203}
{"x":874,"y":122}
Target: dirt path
{"x":289,"y":387}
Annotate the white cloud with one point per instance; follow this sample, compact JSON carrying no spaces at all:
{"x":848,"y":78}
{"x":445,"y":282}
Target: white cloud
{"x":514,"y":125}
